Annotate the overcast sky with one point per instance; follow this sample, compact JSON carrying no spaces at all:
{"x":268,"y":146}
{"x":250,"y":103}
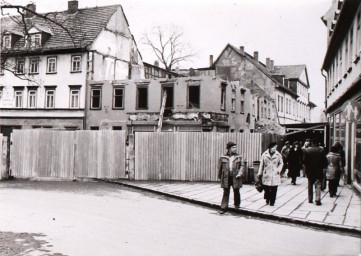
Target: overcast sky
{"x":288,"y":31}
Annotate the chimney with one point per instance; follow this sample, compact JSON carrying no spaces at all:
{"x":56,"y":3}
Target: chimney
{"x":268,"y":63}
{"x":255,"y":55}
{"x":241,"y":49}
{"x":271,"y":65}
{"x":72,"y":6}
{"x":156,"y":63}
{"x":210,"y":60}
{"x":31,"y":7}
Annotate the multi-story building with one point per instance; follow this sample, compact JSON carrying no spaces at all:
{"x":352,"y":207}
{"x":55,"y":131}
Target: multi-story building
{"x":199,"y":103}
{"x":286,"y":85}
{"x":47,"y":60}
{"x":342,"y":70}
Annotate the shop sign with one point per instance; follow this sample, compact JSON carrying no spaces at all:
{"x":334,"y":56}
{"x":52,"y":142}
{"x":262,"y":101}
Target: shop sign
{"x":351,"y":111}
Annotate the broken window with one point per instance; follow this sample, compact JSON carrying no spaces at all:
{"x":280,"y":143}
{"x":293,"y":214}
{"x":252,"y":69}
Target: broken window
{"x":223,"y":97}
{"x":169,"y":103}
{"x":194,"y":96}
{"x":142,"y":98}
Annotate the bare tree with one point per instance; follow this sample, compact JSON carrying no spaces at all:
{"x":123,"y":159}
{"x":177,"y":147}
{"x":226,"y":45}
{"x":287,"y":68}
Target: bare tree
{"x":168,"y":45}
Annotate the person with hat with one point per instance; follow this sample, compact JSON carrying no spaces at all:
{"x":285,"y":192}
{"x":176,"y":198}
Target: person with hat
{"x":230,"y":172}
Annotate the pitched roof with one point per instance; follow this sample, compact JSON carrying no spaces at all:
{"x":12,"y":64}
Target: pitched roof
{"x":82,"y":27}
{"x":290,"y":71}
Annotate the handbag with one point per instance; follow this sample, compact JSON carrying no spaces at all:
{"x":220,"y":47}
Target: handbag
{"x":259,"y":186}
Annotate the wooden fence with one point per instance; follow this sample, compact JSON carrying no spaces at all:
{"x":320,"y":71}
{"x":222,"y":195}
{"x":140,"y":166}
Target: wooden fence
{"x":68,"y":154}
{"x":191,"y":156}
{"x":3,"y":157}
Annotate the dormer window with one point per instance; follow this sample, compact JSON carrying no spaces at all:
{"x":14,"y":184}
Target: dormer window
{"x":35,"y":40}
{"x":7,"y":41}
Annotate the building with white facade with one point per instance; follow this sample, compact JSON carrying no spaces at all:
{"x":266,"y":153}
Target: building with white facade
{"x":47,"y":59}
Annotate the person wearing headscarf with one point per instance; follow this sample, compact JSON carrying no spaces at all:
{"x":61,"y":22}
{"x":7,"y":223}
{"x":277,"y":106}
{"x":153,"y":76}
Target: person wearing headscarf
{"x":270,"y":172}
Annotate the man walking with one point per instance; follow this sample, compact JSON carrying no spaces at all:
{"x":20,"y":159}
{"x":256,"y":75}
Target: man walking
{"x":230,"y":172}
{"x":285,"y":151}
{"x":314,"y":160}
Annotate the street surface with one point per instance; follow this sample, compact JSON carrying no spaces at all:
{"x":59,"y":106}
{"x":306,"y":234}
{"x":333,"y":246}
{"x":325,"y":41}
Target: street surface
{"x":78,"y":218}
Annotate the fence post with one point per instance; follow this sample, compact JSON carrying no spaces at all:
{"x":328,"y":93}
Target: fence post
{"x":4,"y":168}
{"x":131,"y":158}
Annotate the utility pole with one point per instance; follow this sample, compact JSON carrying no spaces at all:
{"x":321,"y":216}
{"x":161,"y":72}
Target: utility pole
{"x":160,"y":121}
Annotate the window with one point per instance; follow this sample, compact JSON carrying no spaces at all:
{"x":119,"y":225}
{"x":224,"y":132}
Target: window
{"x":242,"y":101}
{"x":95,"y":98}
{"x":253,"y":107}
{"x":94,"y":128}
{"x":18,"y":98}
{"x":194,"y":96}
{"x":51,"y":65}
{"x":142,"y":98}
{"x":19,"y":66}
{"x":118,"y":98}
{"x":7,"y":41}
{"x":74,"y":98}
{"x":32,"y":99}
{"x":169,"y":103}
{"x":117,"y":128}
{"x":34,"y":66}
{"x":223,"y":97}
{"x":75,"y":63}
{"x":49,"y":98}
{"x":35,"y":40}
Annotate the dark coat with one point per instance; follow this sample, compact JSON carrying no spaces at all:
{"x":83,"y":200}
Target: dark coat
{"x":238,"y":170}
{"x":334,"y":165}
{"x":294,"y":162}
{"x":315,"y":161}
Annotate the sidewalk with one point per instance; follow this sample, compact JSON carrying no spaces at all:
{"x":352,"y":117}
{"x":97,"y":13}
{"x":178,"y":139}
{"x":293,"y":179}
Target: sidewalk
{"x":341,"y":213}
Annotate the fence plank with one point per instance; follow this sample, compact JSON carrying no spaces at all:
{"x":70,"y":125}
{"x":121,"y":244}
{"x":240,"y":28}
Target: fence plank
{"x":65,"y":154}
{"x":188,"y":155}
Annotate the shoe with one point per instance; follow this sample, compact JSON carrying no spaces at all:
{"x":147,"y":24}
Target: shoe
{"x":236,"y":206}
{"x":310,"y":201}
{"x":222,"y":211}
{"x":293,"y":183}
{"x":267,"y":201}
{"x":332,"y":195}
{"x":272,"y":204}
{"x":318,"y":203}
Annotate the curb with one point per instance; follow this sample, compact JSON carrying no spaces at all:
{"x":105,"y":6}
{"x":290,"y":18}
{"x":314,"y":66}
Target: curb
{"x":262,"y":215}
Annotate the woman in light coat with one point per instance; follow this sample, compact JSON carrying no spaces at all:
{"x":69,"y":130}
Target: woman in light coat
{"x":269,"y":171}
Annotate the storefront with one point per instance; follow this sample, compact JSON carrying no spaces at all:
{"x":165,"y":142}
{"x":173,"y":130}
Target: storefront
{"x":345,"y":127}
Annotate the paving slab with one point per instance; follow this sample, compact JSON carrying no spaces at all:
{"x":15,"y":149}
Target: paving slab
{"x":338,"y":213}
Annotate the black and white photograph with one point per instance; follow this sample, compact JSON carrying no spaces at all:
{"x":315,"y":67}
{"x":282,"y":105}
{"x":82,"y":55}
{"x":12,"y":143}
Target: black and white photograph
{"x":176,"y":128}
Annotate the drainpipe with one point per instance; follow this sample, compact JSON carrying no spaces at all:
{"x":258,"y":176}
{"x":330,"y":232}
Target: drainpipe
{"x":326,"y":129}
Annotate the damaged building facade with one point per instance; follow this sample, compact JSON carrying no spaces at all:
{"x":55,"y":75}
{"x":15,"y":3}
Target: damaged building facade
{"x":287,"y":86}
{"x":198,"y":103}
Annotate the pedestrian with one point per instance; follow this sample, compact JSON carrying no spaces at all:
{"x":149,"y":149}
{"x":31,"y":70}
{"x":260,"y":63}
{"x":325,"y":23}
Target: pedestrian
{"x":269,"y":172}
{"x":230,"y":172}
{"x":334,"y":167}
{"x":294,"y":162}
{"x":284,"y":152}
{"x":314,"y":160}
{"x":307,"y":144}
{"x":341,"y":152}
